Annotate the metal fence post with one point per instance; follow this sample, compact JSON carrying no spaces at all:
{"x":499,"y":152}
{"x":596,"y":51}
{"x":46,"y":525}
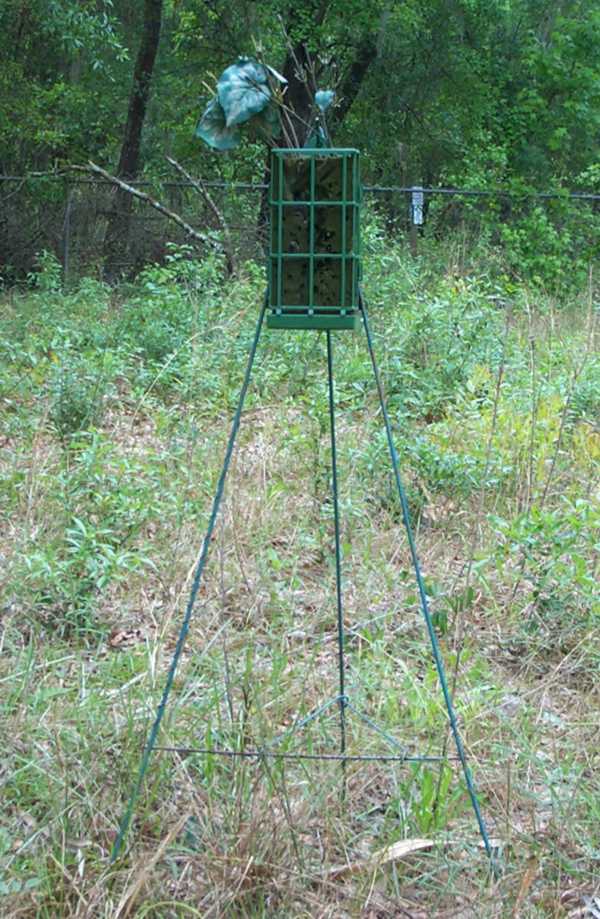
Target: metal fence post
{"x":67,"y":234}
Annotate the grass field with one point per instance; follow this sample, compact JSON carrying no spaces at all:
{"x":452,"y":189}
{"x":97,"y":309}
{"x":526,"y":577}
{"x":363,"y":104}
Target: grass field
{"x":115,"y":410}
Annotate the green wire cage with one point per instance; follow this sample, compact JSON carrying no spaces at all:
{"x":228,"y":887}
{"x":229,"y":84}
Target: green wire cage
{"x":314,"y":256}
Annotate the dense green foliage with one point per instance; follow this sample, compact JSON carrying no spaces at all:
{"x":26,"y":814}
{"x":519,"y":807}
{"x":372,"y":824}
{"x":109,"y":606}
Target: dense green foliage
{"x":468,"y":92}
{"x":476,"y":94}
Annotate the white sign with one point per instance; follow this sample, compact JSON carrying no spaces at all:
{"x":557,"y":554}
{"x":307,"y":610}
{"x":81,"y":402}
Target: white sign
{"x":416,"y":205}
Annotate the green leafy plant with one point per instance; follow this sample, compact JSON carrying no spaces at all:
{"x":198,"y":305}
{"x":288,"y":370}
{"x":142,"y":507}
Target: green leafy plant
{"x":77,"y":399}
{"x":47,"y":278}
{"x":66,"y":576}
{"x":547,"y":554}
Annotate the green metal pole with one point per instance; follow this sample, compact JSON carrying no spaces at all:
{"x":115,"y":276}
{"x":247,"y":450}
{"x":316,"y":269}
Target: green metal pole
{"x":153,"y":736}
{"x":338,"y":562}
{"x":423,"y":597}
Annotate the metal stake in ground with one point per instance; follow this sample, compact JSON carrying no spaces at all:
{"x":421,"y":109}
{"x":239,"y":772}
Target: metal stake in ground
{"x":153,"y":736}
{"x":423,"y":594}
{"x":338,"y":562}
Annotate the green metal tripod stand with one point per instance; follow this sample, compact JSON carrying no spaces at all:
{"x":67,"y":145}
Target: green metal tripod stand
{"x":314,"y":275}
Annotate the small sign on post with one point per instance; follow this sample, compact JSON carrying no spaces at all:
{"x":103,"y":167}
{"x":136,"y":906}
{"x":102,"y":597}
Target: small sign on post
{"x":416,"y":215}
{"x":416,"y":205}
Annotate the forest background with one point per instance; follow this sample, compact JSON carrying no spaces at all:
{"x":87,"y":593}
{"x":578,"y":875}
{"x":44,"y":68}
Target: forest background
{"x":479,"y":95}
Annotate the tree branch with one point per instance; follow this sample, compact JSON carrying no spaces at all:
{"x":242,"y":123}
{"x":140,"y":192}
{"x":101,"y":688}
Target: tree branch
{"x":200,"y":187}
{"x":136,"y":193}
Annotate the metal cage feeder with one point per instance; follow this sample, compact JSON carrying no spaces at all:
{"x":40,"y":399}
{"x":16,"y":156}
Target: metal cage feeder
{"x":314,"y":254}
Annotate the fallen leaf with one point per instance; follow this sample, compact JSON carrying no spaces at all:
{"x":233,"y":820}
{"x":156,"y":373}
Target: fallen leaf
{"x":395,"y":852}
{"x":120,"y":638}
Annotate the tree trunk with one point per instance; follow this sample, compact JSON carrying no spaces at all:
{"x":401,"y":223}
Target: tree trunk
{"x":299,"y":95}
{"x":299,"y":98}
{"x":366,"y":54}
{"x":117,"y":230}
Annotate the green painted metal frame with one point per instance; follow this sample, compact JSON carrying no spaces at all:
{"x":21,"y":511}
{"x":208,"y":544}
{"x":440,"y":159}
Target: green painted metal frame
{"x":312,"y":314}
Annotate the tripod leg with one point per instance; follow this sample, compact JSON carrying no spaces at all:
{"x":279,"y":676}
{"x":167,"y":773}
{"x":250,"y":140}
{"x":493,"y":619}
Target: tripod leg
{"x":423,"y":597}
{"x":152,"y":737}
{"x":338,"y":562}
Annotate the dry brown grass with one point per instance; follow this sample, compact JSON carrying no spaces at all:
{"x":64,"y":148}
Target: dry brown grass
{"x":216,"y":837}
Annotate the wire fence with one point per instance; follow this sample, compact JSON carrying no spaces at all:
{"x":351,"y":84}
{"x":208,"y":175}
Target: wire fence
{"x":68,"y":216}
